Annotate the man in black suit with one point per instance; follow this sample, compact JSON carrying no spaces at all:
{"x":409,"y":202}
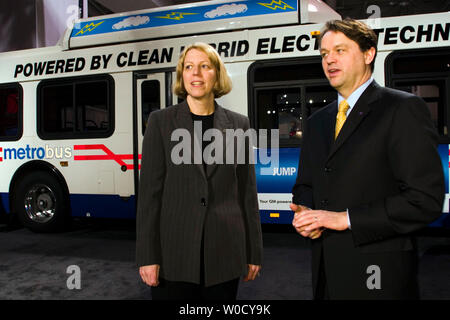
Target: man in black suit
{"x":369,"y":175}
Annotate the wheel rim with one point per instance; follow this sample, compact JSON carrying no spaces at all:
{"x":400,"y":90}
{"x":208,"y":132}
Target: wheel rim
{"x":40,"y":203}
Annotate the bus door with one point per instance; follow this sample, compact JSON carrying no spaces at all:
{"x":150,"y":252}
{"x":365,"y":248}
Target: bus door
{"x":150,"y":95}
{"x":284,"y":94}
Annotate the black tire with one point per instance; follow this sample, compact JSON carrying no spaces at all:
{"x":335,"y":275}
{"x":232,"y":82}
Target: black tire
{"x":41,"y":203}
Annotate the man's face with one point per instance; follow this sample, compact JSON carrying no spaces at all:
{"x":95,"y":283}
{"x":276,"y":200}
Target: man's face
{"x":343,"y":62}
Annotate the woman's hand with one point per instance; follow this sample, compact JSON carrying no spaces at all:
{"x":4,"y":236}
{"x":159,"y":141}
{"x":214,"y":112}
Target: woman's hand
{"x":150,"y":274}
{"x":253,"y":271}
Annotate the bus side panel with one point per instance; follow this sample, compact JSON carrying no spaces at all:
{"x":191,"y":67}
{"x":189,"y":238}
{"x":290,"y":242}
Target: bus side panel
{"x":103,"y":206}
{"x":275,"y":185}
{"x":4,"y":203}
{"x":444,"y":220}
{"x":443,"y":150}
{"x":276,"y":173}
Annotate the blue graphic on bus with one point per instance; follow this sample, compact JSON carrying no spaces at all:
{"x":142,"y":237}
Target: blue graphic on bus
{"x":444,"y":152}
{"x":282,"y":177}
{"x":183,"y":16}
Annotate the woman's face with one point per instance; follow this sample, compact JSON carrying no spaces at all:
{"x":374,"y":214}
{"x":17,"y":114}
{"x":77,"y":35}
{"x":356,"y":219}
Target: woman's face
{"x":199,"y":75}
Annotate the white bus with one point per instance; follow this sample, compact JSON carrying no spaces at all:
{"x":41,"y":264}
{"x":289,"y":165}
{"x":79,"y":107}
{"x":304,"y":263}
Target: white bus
{"x":72,"y":116}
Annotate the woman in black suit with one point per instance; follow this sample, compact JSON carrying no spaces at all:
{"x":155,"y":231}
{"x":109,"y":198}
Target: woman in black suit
{"x":198,"y":226}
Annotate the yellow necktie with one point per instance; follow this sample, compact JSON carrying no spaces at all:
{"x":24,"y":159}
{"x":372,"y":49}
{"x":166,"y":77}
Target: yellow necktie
{"x":341,"y":117}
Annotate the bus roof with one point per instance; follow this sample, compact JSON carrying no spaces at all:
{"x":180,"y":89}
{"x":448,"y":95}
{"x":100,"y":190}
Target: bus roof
{"x":292,"y":41}
{"x":194,"y":18}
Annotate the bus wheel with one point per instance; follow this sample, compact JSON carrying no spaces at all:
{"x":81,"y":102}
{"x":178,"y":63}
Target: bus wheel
{"x":40,"y":203}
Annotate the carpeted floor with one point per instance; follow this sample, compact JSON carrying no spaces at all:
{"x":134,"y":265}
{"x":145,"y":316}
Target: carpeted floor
{"x":35,"y":266}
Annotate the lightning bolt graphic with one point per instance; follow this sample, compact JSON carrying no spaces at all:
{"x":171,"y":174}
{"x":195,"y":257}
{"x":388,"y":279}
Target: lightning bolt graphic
{"x":175,"y":15}
{"x":276,"y":4}
{"x":87,"y":28}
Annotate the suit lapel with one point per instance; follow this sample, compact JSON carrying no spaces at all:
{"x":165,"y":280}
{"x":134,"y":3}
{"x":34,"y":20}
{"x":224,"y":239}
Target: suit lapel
{"x":184,"y":120}
{"x":221,"y":123}
{"x":361,"y":109}
{"x":329,"y":125}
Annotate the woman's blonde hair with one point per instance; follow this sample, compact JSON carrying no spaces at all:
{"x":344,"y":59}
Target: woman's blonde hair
{"x":223,"y":84}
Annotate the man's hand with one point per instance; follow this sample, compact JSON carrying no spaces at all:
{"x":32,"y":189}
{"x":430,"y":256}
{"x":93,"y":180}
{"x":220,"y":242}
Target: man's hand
{"x":313,"y":234}
{"x":309,"y":220}
{"x":150,"y":274}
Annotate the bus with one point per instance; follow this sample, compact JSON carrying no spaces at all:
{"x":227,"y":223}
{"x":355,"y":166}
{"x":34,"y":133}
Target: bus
{"x":73,"y":116}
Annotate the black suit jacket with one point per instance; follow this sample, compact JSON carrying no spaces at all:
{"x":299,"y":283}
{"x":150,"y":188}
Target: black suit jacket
{"x":180,"y":203}
{"x":385,"y":169}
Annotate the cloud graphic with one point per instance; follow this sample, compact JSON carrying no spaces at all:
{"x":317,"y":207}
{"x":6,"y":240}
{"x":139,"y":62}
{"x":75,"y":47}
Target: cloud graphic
{"x":227,"y":9}
{"x":131,"y":21}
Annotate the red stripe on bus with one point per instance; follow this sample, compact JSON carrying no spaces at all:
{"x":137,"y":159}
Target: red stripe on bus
{"x":109,"y":155}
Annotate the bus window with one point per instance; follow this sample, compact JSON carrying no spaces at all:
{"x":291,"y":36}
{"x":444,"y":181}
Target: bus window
{"x":285,"y":94}
{"x":289,"y":72}
{"x":432,"y":92}
{"x":429,"y":79}
{"x":92,"y":106}
{"x":281,"y":108}
{"x":57,"y":105}
{"x":10,"y":113}
{"x":75,"y":108}
{"x":436,"y":62}
{"x":318,"y":97}
{"x":151,"y":100}
{"x":287,"y":109}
